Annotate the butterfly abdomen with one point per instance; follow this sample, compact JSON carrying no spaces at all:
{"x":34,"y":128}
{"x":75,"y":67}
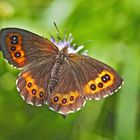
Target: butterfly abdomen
{"x":56,"y":71}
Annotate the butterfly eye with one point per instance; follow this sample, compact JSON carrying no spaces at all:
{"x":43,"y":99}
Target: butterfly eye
{"x":64,"y":100}
{"x":92,"y":87}
{"x":100,"y":85}
{"x":34,"y":91}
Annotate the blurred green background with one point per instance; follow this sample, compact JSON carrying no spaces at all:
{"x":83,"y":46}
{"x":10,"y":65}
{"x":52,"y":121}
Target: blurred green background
{"x":114,"y":27}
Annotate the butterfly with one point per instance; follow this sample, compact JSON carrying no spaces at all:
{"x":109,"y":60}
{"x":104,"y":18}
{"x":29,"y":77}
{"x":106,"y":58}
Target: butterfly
{"x":53,"y":73}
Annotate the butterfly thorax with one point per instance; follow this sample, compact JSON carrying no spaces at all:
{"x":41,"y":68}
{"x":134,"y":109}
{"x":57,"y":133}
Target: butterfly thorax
{"x":57,"y":68}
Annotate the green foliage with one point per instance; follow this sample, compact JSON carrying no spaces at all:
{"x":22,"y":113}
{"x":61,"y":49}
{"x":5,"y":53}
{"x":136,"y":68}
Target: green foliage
{"x":114,"y":27}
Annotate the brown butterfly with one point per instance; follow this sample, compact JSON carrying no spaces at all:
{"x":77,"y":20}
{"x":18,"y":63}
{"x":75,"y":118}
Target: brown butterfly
{"x":53,"y":73}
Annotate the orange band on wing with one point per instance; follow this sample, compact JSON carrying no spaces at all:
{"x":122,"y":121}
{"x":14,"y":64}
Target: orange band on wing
{"x":105,"y":79}
{"x":32,"y":87}
{"x":14,"y":42}
{"x":65,"y":99}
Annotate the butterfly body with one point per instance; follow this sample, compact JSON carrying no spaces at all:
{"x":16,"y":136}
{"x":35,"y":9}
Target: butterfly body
{"x":57,"y":68}
{"x":54,"y":75}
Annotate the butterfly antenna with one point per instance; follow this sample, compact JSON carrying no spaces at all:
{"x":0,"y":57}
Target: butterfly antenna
{"x":65,"y":35}
{"x":84,"y":43}
{"x":58,"y":33}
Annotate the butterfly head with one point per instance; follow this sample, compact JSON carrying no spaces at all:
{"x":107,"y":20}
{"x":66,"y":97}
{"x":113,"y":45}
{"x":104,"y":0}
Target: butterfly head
{"x":66,"y":42}
{"x":64,"y":50}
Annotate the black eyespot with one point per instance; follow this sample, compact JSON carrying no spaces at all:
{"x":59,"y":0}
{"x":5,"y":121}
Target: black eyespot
{"x":56,"y":99}
{"x":100,"y":85}
{"x":17,"y":54}
{"x":41,"y":94}
{"x":64,"y":101}
{"x":71,"y":98}
{"x":29,"y":85}
{"x":13,"y":48}
{"x":14,"y":42}
{"x":34,"y":91}
{"x":104,"y":79}
{"x":92,"y":87}
{"x":107,"y":77}
{"x":14,"y":39}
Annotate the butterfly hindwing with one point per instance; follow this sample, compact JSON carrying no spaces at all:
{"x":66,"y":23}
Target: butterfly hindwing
{"x":33,"y":81}
{"x":66,"y":97}
{"x":20,"y":47}
{"x":96,"y":79}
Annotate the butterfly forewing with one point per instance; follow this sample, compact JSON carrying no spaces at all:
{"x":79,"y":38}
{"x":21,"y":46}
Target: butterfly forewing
{"x":21,"y":47}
